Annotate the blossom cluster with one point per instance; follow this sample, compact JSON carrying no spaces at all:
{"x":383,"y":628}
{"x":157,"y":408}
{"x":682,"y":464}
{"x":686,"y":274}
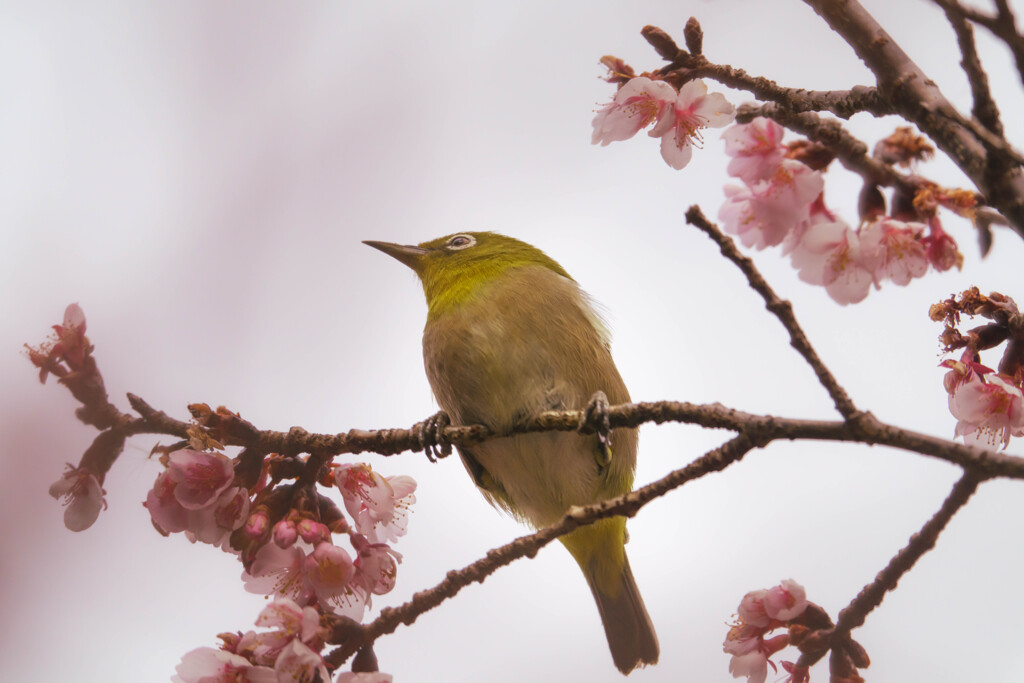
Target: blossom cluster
{"x":283,"y":533}
{"x":301,"y":562}
{"x":67,"y":355}
{"x":781,"y":203}
{"x":759,"y":613}
{"x":677,"y":118}
{"x":287,"y":653}
{"x":988,"y":404}
{"x":67,"y":348}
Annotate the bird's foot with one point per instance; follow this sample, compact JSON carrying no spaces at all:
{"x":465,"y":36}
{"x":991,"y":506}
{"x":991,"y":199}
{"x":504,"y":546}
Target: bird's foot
{"x":431,"y":436}
{"x":596,"y":419}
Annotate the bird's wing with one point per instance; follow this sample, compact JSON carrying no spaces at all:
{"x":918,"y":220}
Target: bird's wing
{"x":493,"y":491}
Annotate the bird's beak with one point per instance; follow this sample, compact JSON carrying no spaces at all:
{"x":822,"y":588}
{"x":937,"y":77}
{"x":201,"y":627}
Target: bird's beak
{"x":408,"y":254}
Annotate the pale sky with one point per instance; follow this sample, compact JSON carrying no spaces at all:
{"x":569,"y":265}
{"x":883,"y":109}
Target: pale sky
{"x":199,"y":177}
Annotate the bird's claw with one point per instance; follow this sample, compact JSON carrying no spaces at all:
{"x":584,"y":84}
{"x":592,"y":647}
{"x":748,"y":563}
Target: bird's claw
{"x":596,"y":419}
{"x":431,"y":436}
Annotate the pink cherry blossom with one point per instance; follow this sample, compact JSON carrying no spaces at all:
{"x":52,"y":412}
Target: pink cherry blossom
{"x":288,"y":621}
{"x":376,"y":566}
{"x":752,"y":611}
{"x":331,"y":573}
{"x":767,"y":213}
{"x":285,"y":533}
{"x":752,"y":665}
{"x":738,"y":217}
{"x":214,"y":523}
{"x":214,"y":520}
{"x":280,"y":571}
{"x":71,"y":340}
{"x":165,"y":511}
{"x":297,"y":663}
{"x":82,"y":496}
{"x":312,"y":532}
{"x":200,"y":476}
{"x":786,"y":601}
{"x":694,"y":110}
{"x":756,"y":149}
{"x":759,"y":613}
{"x":850,"y":269}
{"x":257,"y":525}
{"x":287,"y":616}
{"x":379,"y":506}
{"x":989,"y":409}
{"x":962,"y":371}
{"x":903,"y":254}
{"x":787,"y":195}
{"x":67,"y":344}
{"x":832,"y":254}
{"x":637,"y":104}
{"x":210,"y":665}
{"x":941,"y":248}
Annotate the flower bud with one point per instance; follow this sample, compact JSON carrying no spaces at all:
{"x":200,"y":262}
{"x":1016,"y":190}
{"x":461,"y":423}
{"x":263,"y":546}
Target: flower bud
{"x":285,"y":534}
{"x":258,"y":524}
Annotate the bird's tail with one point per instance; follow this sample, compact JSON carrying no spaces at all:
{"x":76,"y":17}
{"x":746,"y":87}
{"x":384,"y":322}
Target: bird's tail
{"x":599,"y":550}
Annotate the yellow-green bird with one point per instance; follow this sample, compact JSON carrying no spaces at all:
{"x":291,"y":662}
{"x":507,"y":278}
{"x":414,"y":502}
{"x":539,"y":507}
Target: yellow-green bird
{"x":510,"y":334}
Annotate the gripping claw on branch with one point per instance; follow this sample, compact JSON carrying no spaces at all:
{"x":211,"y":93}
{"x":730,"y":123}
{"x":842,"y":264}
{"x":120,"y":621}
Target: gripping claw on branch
{"x":596,"y":419}
{"x":430,"y":433}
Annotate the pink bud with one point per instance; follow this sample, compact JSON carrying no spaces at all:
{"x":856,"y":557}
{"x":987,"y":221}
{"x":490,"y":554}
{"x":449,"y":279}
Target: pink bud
{"x":285,"y":534}
{"x":313,"y":532}
{"x":257,"y":525}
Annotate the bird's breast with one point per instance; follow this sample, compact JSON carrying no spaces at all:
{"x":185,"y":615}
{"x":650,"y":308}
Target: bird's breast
{"x":524,"y":343}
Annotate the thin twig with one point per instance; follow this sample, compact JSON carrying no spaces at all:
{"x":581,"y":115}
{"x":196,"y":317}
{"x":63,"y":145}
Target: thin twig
{"x":782,"y":309}
{"x":864,"y":429}
{"x":842,"y":103}
{"x":870,"y":597}
{"x":1003,"y":25}
{"x":985,"y":109}
{"x":850,"y":151}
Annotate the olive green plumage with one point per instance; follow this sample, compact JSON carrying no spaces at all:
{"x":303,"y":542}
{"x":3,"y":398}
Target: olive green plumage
{"x":510,"y":334}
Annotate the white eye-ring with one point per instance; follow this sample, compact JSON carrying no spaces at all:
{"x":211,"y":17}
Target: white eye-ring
{"x":457,"y":242}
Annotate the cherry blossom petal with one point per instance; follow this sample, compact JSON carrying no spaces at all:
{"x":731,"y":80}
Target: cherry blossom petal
{"x":753,"y":666}
{"x":756,"y":149}
{"x":989,"y":410}
{"x":164,"y":509}
{"x":297,"y":663}
{"x":82,"y":496}
{"x":200,"y":476}
{"x":786,"y":601}
{"x":637,"y":104}
{"x":279,"y":571}
{"x":694,"y":110}
{"x":210,"y":665}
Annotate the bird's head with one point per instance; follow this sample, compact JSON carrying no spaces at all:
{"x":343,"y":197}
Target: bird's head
{"x":456,"y":267}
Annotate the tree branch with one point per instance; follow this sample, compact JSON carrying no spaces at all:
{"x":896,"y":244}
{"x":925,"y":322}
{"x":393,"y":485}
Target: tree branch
{"x":353,"y":639}
{"x":985,"y":109}
{"x":850,"y":151}
{"x":987,"y":159}
{"x":782,"y":309}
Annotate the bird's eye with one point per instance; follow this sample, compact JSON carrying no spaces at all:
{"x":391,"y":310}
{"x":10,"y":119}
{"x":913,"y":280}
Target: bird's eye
{"x":461,"y":242}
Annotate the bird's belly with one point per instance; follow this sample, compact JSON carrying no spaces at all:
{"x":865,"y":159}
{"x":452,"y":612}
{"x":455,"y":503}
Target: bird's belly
{"x":543,"y":474}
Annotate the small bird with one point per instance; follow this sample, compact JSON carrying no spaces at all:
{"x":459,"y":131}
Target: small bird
{"x":510,"y":334}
